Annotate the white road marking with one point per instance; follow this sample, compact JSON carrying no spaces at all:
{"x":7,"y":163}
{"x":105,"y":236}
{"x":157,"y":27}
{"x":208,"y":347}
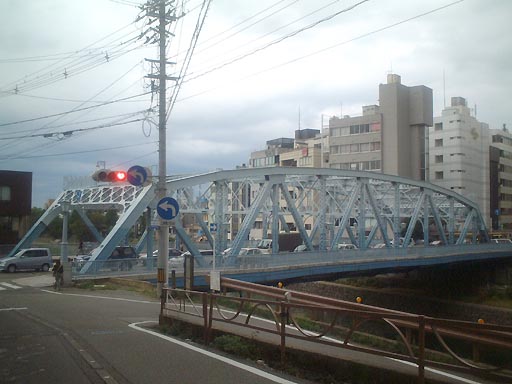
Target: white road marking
{"x":2,"y":289}
{"x":13,"y":309}
{"x":101,"y":297}
{"x":234,"y":363}
{"x":10,"y":285}
{"x":251,"y":369}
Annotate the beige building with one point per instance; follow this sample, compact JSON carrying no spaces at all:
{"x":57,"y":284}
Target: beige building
{"x":391,"y":138}
{"x":500,"y":166}
{"x":302,"y":151}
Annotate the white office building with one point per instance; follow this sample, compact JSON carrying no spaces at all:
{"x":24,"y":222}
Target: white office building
{"x":459,"y":154}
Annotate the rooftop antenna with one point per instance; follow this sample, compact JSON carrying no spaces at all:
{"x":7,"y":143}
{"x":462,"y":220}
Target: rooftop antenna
{"x":299,"y":117}
{"x":444,"y":90}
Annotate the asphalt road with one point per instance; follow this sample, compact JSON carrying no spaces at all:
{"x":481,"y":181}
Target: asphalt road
{"x":78,"y":336}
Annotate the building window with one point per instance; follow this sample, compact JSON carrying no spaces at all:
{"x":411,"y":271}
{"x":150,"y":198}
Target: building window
{"x":364,"y":128}
{"x":5,"y":193}
{"x":354,"y":148}
{"x":438,"y":126}
{"x":439,"y":158}
{"x":438,"y":142}
{"x":375,"y":146}
{"x":439,"y":175}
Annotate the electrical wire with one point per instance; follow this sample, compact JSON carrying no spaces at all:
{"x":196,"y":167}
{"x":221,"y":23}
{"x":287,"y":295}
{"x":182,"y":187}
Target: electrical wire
{"x":199,"y":25}
{"x":373,"y":32}
{"x":78,"y":152}
{"x":277,"y":41}
{"x":73,"y":111}
{"x":69,"y":132}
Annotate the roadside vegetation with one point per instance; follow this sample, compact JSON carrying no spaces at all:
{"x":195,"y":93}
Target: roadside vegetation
{"x":318,"y":369}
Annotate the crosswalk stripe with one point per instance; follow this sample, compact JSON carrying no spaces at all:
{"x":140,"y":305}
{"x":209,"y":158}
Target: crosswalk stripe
{"x":12,"y":286}
{"x":2,"y":289}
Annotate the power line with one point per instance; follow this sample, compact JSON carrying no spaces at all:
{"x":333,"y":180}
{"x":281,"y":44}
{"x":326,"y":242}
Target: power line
{"x":323,"y":49}
{"x":122,"y":115}
{"x":69,"y":132}
{"x":277,"y":41}
{"x":78,"y":152}
{"x":73,"y":111}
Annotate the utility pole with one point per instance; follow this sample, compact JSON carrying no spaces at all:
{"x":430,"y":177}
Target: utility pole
{"x":157,"y":9}
{"x":163,"y":238}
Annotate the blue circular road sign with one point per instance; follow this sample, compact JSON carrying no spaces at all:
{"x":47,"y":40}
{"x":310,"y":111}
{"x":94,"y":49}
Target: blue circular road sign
{"x":137,"y":175}
{"x":167,"y":208}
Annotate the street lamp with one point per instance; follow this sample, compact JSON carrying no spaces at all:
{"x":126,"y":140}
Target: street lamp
{"x":65,"y":207}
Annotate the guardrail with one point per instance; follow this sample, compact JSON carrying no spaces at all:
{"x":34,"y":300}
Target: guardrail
{"x":302,"y":321}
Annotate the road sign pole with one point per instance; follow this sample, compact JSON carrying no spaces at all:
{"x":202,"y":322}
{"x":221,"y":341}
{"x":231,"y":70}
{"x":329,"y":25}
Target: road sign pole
{"x":214,"y":250}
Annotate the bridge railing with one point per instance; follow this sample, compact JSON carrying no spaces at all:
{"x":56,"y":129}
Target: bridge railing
{"x":299,"y":321}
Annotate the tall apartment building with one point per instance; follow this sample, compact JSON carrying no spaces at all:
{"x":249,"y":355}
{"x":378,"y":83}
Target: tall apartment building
{"x":459,"y":154}
{"x":500,"y":175}
{"x":390,"y":137}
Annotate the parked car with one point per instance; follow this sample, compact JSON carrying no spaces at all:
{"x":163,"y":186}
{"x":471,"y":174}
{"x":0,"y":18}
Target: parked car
{"x":344,"y":246}
{"x":206,"y":253}
{"x":173,"y":252}
{"x":122,"y":258}
{"x":39,"y":259}
{"x":501,"y":241}
{"x":176,"y":262}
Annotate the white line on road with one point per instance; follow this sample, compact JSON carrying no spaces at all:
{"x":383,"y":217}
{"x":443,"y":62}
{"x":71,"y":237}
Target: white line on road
{"x":234,"y":363}
{"x":462,"y":379}
{"x":10,"y":285}
{"x":101,"y":297}
{"x":13,"y":309}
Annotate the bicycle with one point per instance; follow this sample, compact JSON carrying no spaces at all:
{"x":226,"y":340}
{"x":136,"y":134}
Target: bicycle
{"x":58,"y":282}
{"x":58,"y":272}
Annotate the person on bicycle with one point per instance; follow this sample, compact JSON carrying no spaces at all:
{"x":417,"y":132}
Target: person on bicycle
{"x":58,"y":272}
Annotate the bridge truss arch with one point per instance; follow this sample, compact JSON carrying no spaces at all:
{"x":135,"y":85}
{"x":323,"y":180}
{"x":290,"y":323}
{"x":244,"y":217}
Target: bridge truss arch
{"x":325,"y":206}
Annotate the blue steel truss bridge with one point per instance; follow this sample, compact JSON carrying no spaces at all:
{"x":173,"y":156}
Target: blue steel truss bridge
{"x":379,"y":216}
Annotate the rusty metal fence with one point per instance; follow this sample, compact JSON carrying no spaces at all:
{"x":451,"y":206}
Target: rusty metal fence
{"x":339,"y":329}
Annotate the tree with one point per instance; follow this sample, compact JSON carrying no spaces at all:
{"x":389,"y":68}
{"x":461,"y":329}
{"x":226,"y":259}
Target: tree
{"x":35,"y":214}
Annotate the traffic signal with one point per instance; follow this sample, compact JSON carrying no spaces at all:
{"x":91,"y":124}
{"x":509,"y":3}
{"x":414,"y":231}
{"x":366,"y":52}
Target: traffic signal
{"x":117,"y":176}
{"x":106,"y":175}
{"x":101,"y":175}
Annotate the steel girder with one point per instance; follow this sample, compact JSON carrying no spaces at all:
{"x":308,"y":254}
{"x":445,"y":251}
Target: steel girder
{"x":363,"y":206}
{"x":326,"y":206}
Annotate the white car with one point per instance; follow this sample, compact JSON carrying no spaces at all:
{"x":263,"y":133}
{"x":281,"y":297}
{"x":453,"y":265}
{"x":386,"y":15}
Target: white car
{"x":345,"y":246}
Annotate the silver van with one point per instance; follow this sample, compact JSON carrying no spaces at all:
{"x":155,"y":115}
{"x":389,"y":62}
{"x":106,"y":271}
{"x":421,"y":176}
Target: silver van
{"x":39,"y":259}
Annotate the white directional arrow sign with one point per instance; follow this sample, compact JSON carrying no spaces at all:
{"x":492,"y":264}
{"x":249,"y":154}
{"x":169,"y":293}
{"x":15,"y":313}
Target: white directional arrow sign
{"x":167,"y":208}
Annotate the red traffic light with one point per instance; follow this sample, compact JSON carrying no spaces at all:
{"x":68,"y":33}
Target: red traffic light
{"x":117,"y":176}
{"x":106,"y":175}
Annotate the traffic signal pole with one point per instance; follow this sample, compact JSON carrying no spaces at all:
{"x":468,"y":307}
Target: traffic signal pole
{"x":161,"y":190}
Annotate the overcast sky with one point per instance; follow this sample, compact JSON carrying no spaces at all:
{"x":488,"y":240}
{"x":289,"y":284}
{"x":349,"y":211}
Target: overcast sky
{"x":256,"y":64}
